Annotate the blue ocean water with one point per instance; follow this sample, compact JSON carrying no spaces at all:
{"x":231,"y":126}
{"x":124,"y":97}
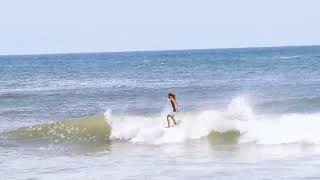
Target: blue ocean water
{"x":51,"y":87}
{"x":270,"y":87}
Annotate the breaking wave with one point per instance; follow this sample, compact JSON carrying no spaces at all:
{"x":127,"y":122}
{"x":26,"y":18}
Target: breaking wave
{"x":236,"y":124}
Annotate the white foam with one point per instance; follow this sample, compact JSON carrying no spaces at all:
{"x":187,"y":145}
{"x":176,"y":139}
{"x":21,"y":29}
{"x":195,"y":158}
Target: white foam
{"x":286,"y":57}
{"x":260,"y":129}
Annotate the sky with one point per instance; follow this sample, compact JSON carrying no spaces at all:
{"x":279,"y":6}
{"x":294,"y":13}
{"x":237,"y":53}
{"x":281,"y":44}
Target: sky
{"x":74,"y":26}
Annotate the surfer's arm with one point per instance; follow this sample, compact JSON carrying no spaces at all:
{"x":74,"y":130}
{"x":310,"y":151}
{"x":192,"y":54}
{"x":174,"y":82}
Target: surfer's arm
{"x":175,"y":105}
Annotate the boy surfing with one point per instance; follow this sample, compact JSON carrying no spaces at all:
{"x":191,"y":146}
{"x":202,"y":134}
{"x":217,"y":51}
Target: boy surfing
{"x":172,"y":99}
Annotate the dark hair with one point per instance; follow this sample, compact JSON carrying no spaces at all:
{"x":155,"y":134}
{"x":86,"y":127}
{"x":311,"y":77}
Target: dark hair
{"x":172,"y":95}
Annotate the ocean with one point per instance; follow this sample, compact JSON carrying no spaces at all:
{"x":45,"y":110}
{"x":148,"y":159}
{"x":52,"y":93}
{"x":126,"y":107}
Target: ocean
{"x":247,"y":113}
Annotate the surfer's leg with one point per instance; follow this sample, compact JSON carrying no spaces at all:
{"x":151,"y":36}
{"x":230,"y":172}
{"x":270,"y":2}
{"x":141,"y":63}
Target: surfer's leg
{"x":174,"y":121}
{"x":168,"y":120}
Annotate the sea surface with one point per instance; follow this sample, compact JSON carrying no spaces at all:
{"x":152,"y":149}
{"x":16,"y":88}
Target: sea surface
{"x":250,"y":113}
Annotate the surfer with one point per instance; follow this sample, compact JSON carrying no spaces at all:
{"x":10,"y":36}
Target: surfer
{"x":174,"y":104}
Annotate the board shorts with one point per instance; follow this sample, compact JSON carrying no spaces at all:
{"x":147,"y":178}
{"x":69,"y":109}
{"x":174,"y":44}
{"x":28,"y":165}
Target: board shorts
{"x":172,"y":113}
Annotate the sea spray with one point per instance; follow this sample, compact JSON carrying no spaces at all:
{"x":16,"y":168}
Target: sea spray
{"x":196,"y":125}
{"x":238,"y":119}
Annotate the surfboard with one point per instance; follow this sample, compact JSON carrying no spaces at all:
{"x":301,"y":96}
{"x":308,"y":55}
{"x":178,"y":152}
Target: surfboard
{"x":178,"y":123}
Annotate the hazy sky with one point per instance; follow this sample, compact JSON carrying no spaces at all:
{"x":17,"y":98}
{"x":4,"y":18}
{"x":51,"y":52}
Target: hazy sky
{"x":61,"y":26}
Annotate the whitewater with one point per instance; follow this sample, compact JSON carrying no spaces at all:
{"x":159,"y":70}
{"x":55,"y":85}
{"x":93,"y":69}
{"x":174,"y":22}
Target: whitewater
{"x":238,"y":116}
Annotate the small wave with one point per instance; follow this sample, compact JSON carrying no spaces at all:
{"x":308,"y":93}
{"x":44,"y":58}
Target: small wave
{"x":285,"y":57}
{"x":88,"y":129}
{"x":56,"y":85}
{"x":12,"y":95}
{"x":8,"y":111}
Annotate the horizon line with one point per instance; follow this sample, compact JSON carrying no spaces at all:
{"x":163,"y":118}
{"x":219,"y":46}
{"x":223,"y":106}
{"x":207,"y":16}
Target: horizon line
{"x":160,"y":50}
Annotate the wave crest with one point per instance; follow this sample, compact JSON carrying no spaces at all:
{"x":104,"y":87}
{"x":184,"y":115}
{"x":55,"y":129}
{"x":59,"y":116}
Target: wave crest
{"x":88,"y":129}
